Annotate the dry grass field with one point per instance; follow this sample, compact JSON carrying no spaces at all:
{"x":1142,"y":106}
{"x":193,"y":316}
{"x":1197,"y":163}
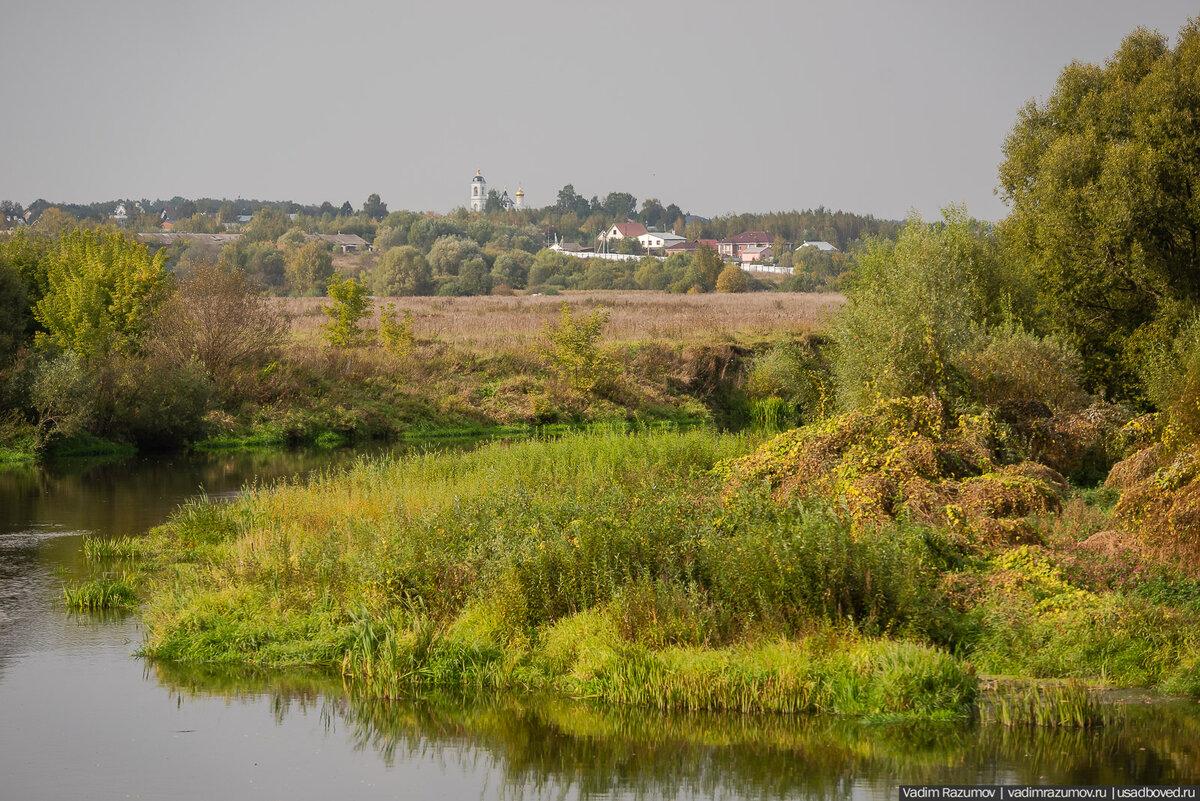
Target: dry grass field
{"x":512,"y":321}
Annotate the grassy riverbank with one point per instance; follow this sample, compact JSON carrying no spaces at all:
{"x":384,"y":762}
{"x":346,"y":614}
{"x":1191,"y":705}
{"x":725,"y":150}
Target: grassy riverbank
{"x":597,"y":565}
{"x":664,"y":570}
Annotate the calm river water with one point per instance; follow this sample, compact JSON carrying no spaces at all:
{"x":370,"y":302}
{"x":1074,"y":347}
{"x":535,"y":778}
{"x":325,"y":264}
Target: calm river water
{"x":82,"y":718}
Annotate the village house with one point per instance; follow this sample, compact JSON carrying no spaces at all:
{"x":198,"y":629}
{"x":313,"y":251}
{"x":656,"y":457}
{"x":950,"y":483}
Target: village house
{"x":618,"y":231}
{"x":652,"y":240}
{"x":755,"y":254}
{"x":732,"y":247}
{"x":689,"y":247}
{"x":348,"y":243}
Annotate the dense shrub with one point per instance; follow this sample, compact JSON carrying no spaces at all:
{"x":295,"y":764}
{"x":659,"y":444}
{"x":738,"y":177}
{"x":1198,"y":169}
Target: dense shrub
{"x":911,"y":311}
{"x":101,"y":290}
{"x":1009,"y":363}
{"x":732,"y":279}
{"x":151,"y":402}
{"x":796,"y":373}
{"x":1171,"y":374}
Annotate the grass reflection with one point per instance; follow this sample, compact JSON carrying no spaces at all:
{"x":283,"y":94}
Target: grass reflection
{"x":550,"y":746}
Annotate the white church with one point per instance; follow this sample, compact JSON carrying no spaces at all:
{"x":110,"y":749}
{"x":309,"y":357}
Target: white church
{"x":479,"y":195}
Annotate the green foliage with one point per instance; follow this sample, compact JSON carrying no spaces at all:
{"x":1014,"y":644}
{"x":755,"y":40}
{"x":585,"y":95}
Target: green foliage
{"x":732,"y":279}
{"x":1008,"y":362}
{"x":374,"y":207}
{"x":708,"y":266}
{"x":397,"y":336}
{"x":102,"y":549}
{"x":1100,"y":179}
{"x":573,"y":347}
{"x":13,"y":309}
{"x":267,"y":226}
{"x":1171,"y":375}
{"x":401,"y":271}
{"x":350,"y":306}
{"x":100,"y":594}
{"x":262,"y":262}
{"x":796,"y":373}
{"x":151,"y":401}
{"x":449,"y":253}
{"x":512,"y":268}
{"x":1035,"y":622}
{"x":308,"y":268}
{"x":63,"y":396}
{"x":101,"y":292}
{"x":561,"y":562}
{"x":912,"y":309}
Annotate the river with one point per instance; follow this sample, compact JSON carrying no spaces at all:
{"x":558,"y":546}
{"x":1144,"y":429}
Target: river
{"x":81,"y":717}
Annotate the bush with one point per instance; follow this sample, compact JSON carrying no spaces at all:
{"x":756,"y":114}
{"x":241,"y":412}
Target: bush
{"x":797,"y":374}
{"x":911,"y":311}
{"x":1172,"y":378}
{"x":401,"y":271}
{"x":573,"y":348}
{"x":63,"y":396}
{"x":150,"y":401}
{"x":349,"y":307}
{"x":100,"y":293}
{"x":217,"y":316}
{"x":732,"y":279}
{"x":308,"y":268}
{"x":1009,"y":363}
{"x":396,"y":336}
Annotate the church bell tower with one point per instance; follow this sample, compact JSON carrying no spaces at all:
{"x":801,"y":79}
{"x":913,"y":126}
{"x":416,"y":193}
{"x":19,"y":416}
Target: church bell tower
{"x":478,"y":192}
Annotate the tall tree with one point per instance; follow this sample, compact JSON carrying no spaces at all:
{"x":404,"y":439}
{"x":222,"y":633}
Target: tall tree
{"x":620,"y":205}
{"x":653,"y":212}
{"x":1103,"y":181}
{"x":375,"y":208}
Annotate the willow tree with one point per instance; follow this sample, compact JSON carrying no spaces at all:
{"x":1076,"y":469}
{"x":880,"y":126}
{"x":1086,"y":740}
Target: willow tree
{"x":1104,"y":183}
{"x":100,"y":293}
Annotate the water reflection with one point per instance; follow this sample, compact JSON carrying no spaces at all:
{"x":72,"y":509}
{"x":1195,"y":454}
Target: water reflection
{"x":547,"y":746}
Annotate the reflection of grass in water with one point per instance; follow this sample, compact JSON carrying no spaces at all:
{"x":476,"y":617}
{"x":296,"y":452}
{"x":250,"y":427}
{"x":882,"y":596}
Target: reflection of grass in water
{"x":1068,"y":705}
{"x":545,"y":745}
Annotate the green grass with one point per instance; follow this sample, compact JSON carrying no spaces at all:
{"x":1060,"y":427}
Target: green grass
{"x":620,"y":566}
{"x":84,"y":444}
{"x":100,"y":594}
{"x":96,"y":549}
{"x":467,"y":570}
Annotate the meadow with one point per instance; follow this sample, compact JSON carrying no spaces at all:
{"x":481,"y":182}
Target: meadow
{"x":516,"y":321}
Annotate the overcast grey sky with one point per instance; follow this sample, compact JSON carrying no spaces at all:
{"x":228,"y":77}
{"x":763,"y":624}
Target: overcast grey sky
{"x":872,"y":107}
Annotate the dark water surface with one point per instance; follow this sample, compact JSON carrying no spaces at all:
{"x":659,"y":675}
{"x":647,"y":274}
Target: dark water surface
{"x":81,"y":718}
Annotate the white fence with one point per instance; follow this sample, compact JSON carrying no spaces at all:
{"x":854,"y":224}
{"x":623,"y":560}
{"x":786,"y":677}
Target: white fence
{"x":755,"y":267}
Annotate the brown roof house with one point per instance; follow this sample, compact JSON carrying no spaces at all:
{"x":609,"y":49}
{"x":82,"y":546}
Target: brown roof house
{"x":732,"y":247}
{"x":618,"y":231}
